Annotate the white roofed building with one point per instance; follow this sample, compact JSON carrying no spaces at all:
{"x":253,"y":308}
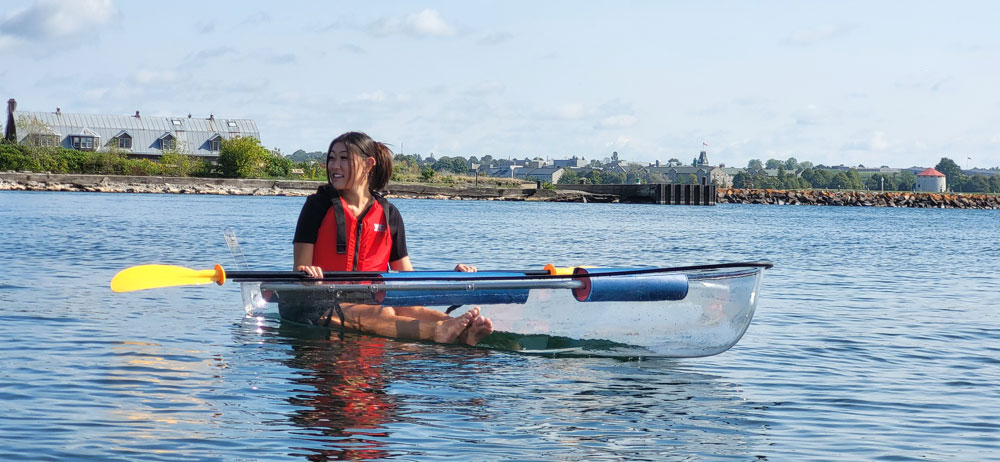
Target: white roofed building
{"x":136,"y":135}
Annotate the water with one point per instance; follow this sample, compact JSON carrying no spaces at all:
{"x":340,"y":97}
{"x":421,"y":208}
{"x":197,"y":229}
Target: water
{"x":876,"y":338}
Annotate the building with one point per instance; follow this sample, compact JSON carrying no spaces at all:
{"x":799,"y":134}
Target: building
{"x":704,"y":175}
{"x":549,"y":174}
{"x":572,"y":162}
{"x":931,"y":180}
{"x":135,"y":135}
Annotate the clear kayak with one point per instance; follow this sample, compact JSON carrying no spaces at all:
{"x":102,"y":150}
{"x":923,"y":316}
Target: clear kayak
{"x":635,"y":312}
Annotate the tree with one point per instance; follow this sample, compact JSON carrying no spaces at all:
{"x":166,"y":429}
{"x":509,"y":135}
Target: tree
{"x":952,"y":171}
{"x":459,"y":165}
{"x":906,"y":181}
{"x":995,"y":184}
{"x":976,"y":183}
{"x":773,"y":163}
{"x":791,"y":164}
{"x":754,"y":165}
{"x":854,"y":180}
{"x":569,"y":176}
{"x":242,"y":157}
{"x":742,"y":180}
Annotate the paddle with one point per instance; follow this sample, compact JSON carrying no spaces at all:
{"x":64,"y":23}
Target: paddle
{"x":156,"y":276}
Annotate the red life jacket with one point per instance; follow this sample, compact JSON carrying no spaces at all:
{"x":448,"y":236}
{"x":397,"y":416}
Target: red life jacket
{"x":348,"y":243}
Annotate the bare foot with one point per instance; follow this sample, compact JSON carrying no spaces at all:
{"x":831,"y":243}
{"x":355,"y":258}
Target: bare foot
{"x":448,"y":330}
{"x":478,"y":329}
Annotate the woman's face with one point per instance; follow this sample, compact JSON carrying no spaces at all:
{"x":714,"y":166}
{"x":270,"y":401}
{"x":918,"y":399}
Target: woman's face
{"x":348,"y":171}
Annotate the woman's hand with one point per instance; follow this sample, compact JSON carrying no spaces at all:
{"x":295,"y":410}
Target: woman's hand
{"x":313,"y":271}
{"x":465,"y":268}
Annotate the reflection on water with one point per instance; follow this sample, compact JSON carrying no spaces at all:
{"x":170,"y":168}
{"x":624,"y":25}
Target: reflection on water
{"x":340,"y":393}
{"x":366,"y":398}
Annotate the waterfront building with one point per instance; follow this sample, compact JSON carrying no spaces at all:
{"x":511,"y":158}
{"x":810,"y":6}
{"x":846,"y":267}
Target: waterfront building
{"x":572,"y":162}
{"x":931,"y":180}
{"x":704,"y":173}
{"x":135,"y":135}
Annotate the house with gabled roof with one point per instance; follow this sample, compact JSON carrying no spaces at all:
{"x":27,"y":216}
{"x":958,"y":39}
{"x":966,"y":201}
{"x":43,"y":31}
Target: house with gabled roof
{"x":135,"y":135}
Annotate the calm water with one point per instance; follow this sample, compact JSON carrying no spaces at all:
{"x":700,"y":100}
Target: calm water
{"x":876,"y":338}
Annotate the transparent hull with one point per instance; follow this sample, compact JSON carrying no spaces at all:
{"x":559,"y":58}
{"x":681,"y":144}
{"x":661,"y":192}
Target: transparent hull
{"x":711,"y":318}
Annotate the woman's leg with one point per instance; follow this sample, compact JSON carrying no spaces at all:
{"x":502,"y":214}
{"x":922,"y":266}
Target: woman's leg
{"x":387,"y":322}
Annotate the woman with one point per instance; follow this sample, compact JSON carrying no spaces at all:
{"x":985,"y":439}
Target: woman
{"x":348,"y":226}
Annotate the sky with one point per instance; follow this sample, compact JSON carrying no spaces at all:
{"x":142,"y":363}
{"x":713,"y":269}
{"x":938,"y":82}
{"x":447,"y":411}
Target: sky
{"x":896,"y":83}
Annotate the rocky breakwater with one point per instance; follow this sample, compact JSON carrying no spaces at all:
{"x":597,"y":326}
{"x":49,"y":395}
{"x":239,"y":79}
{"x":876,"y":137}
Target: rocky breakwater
{"x":152,"y":184}
{"x":858,"y":198}
{"x":27,"y":181}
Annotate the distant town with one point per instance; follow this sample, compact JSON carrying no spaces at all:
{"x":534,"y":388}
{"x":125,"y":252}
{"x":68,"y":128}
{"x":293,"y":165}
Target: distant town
{"x":773,"y":173}
{"x":57,"y":141}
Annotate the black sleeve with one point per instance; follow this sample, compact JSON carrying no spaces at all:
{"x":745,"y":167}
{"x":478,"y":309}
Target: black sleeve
{"x":395,"y":222}
{"x":311,"y":216}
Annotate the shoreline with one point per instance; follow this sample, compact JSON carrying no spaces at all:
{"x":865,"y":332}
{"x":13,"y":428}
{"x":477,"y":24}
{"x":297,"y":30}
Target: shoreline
{"x":27,"y":181}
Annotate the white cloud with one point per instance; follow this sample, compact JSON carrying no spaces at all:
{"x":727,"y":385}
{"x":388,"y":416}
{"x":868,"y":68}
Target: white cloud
{"x":571,"y":111}
{"x":380,"y":96}
{"x":495,"y":38}
{"x":875,"y":141}
{"x":816,"y":115}
{"x":427,"y":23}
{"x":807,"y":37}
{"x":618,"y":121}
{"x":486,"y":88}
{"x":49,"y":26}
{"x":96,"y":93}
{"x":49,"y":19}
{"x":154,"y":76}
{"x":879,"y":141}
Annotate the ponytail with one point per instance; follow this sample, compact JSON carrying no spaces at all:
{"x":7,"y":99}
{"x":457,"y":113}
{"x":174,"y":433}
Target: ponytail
{"x":379,"y":177}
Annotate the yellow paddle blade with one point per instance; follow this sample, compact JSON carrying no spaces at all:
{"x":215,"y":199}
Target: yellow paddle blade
{"x":154,"y":276}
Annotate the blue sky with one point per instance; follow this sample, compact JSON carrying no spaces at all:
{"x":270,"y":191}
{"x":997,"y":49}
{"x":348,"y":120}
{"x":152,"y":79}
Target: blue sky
{"x":876,"y":83}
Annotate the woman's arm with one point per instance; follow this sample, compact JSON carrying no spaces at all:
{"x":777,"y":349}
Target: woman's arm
{"x":303,"y":259}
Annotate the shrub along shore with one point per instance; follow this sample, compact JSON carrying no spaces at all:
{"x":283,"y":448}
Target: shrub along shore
{"x":26,"y":181}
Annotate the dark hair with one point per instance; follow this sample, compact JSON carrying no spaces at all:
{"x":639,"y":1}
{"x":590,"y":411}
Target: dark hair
{"x":362,"y":145}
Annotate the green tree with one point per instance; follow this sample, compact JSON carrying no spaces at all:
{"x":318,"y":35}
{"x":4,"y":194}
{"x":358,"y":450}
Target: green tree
{"x":754,"y":166}
{"x":906,"y":181}
{"x":773,"y":163}
{"x":854,"y":180}
{"x":242,"y":157}
{"x":459,"y":165}
{"x":278,"y":166}
{"x":569,"y":176}
{"x":952,"y":171}
{"x":742,"y":180}
{"x":840,"y":181}
{"x":791,"y":164}
{"x":976,"y":183}
{"x":995,"y":184}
